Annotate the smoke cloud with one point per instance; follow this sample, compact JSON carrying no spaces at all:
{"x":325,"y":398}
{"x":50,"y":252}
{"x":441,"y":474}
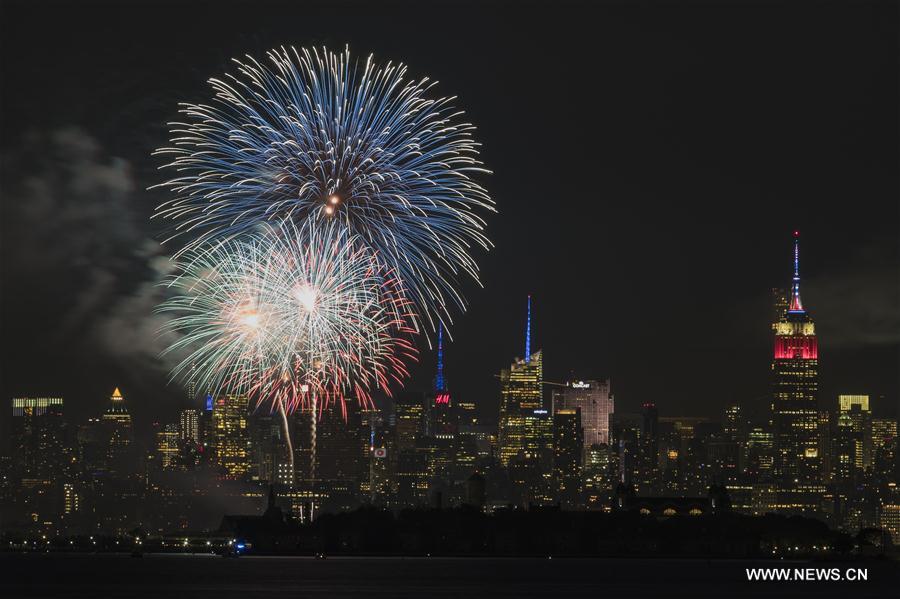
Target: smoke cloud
{"x":76,"y":250}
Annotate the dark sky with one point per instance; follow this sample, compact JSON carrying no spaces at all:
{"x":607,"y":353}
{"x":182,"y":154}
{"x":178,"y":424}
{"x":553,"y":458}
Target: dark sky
{"x":650,"y":162}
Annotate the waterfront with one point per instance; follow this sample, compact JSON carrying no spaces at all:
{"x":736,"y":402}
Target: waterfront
{"x":200,"y":576}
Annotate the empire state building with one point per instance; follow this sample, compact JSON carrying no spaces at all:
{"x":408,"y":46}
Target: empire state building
{"x":795,"y":371}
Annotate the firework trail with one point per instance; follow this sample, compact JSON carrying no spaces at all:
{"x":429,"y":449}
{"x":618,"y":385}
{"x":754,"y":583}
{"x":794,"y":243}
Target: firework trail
{"x":291,"y":316}
{"x":311,"y":136}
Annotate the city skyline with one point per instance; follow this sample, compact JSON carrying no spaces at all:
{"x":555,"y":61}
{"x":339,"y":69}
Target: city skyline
{"x":554,"y":445}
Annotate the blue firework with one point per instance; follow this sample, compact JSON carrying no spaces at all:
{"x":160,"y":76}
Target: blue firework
{"x":311,"y":136}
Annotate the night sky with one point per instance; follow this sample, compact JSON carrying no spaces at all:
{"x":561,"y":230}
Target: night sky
{"x":650,"y":164}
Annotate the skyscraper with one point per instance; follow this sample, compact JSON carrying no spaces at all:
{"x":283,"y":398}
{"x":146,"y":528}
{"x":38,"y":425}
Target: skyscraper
{"x":37,"y":437}
{"x":521,"y":404}
{"x":410,"y":414}
{"x":167,"y":445}
{"x":441,"y":415}
{"x":649,"y":480}
{"x":594,"y":400}
{"x":269,"y":455}
{"x":568,"y":456}
{"x":342,"y":457}
{"x":442,"y":425}
{"x":189,"y":426}
{"x":410,"y":458}
{"x":231,"y":437}
{"x":117,"y":422}
{"x":795,"y":415}
{"x":525,"y":433}
{"x":853,"y":437}
{"x":884,"y":450}
{"x":780,"y":305}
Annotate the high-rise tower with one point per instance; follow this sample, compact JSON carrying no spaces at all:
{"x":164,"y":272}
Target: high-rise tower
{"x":795,"y":372}
{"x":230,"y":434}
{"x":38,"y":435}
{"x":117,"y":421}
{"x":525,"y":425}
{"x":596,"y":403}
{"x":441,"y":409}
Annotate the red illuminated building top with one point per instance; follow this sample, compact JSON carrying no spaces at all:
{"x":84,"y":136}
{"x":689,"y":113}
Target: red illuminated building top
{"x":795,"y":336}
{"x":796,"y":347}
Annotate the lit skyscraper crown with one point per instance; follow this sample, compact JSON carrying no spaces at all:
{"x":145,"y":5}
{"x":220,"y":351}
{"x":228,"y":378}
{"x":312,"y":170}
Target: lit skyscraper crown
{"x":796,"y":305}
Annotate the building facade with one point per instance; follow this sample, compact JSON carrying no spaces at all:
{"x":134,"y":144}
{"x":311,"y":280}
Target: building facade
{"x":594,"y":400}
{"x":795,"y":374}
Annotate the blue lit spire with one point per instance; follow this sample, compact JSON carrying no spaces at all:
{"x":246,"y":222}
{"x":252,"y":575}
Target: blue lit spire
{"x":439,"y":379}
{"x":528,"y":333}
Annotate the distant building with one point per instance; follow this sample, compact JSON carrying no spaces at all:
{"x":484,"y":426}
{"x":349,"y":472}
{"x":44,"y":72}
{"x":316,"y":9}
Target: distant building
{"x":168,"y":445}
{"x":523,"y":416}
{"x":466,"y":412}
{"x":38,"y":433}
{"x":624,"y":447}
{"x":71,"y":500}
{"x":189,"y":426}
{"x":889,"y":520}
{"x":441,"y":413}
{"x":780,"y":303}
{"x":683,"y":454}
{"x":442,"y":426}
{"x":342,"y":456}
{"x":568,"y":451}
{"x":409,"y":407}
{"x":269,"y":451}
{"x":760,"y":454}
{"x":231,"y":437}
{"x":473,"y":444}
{"x":795,"y":413}
{"x":119,"y":429}
{"x":596,"y":403}
{"x":649,"y":449}
{"x":409,"y":461}
{"x":853,"y":438}
{"x":411,"y":477}
{"x":735,"y":426}
{"x":884,"y":450}
{"x":598,"y":480}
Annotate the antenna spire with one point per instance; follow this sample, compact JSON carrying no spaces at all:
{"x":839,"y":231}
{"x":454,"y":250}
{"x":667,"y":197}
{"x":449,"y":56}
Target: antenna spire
{"x":528,"y":332}
{"x":439,"y":379}
{"x":796,"y":304}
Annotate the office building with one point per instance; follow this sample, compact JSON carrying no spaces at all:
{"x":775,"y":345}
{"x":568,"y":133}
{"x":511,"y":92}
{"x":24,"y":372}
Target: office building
{"x":568,"y":452}
{"x":524,"y":422}
{"x":231,"y":437}
{"x":168,"y":445}
{"x":189,"y":426}
{"x":37,"y":440}
{"x":594,"y":400}
{"x":853,"y":438}
{"x":795,"y":413}
{"x":119,"y":430}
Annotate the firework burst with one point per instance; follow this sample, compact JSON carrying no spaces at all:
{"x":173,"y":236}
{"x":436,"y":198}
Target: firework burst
{"x":292,"y":317}
{"x":313,"y":136}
